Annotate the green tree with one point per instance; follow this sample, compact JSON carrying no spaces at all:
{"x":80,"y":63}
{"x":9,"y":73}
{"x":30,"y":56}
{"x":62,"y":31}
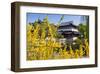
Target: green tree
{"x":84,"y":30}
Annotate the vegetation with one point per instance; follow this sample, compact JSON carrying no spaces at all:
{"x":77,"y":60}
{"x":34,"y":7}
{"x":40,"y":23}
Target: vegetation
{"x":42,"y":43}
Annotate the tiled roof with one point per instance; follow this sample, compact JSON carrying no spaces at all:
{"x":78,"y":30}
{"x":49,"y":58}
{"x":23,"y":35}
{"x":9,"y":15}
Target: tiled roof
{"x":66,"y":23}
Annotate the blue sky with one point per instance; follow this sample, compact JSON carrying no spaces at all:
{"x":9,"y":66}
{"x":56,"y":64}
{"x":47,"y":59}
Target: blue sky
{"x":54,"y":18}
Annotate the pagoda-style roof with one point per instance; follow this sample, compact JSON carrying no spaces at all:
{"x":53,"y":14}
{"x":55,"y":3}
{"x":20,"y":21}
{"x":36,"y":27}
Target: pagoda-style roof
{"x":70,"y":33}
{"x":67,"y":25}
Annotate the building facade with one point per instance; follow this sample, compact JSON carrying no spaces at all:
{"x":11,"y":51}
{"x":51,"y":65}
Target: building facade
{"x":69,"y":31}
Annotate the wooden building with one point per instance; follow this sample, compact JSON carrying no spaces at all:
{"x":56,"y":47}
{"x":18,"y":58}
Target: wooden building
{"x":69,"y":31}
